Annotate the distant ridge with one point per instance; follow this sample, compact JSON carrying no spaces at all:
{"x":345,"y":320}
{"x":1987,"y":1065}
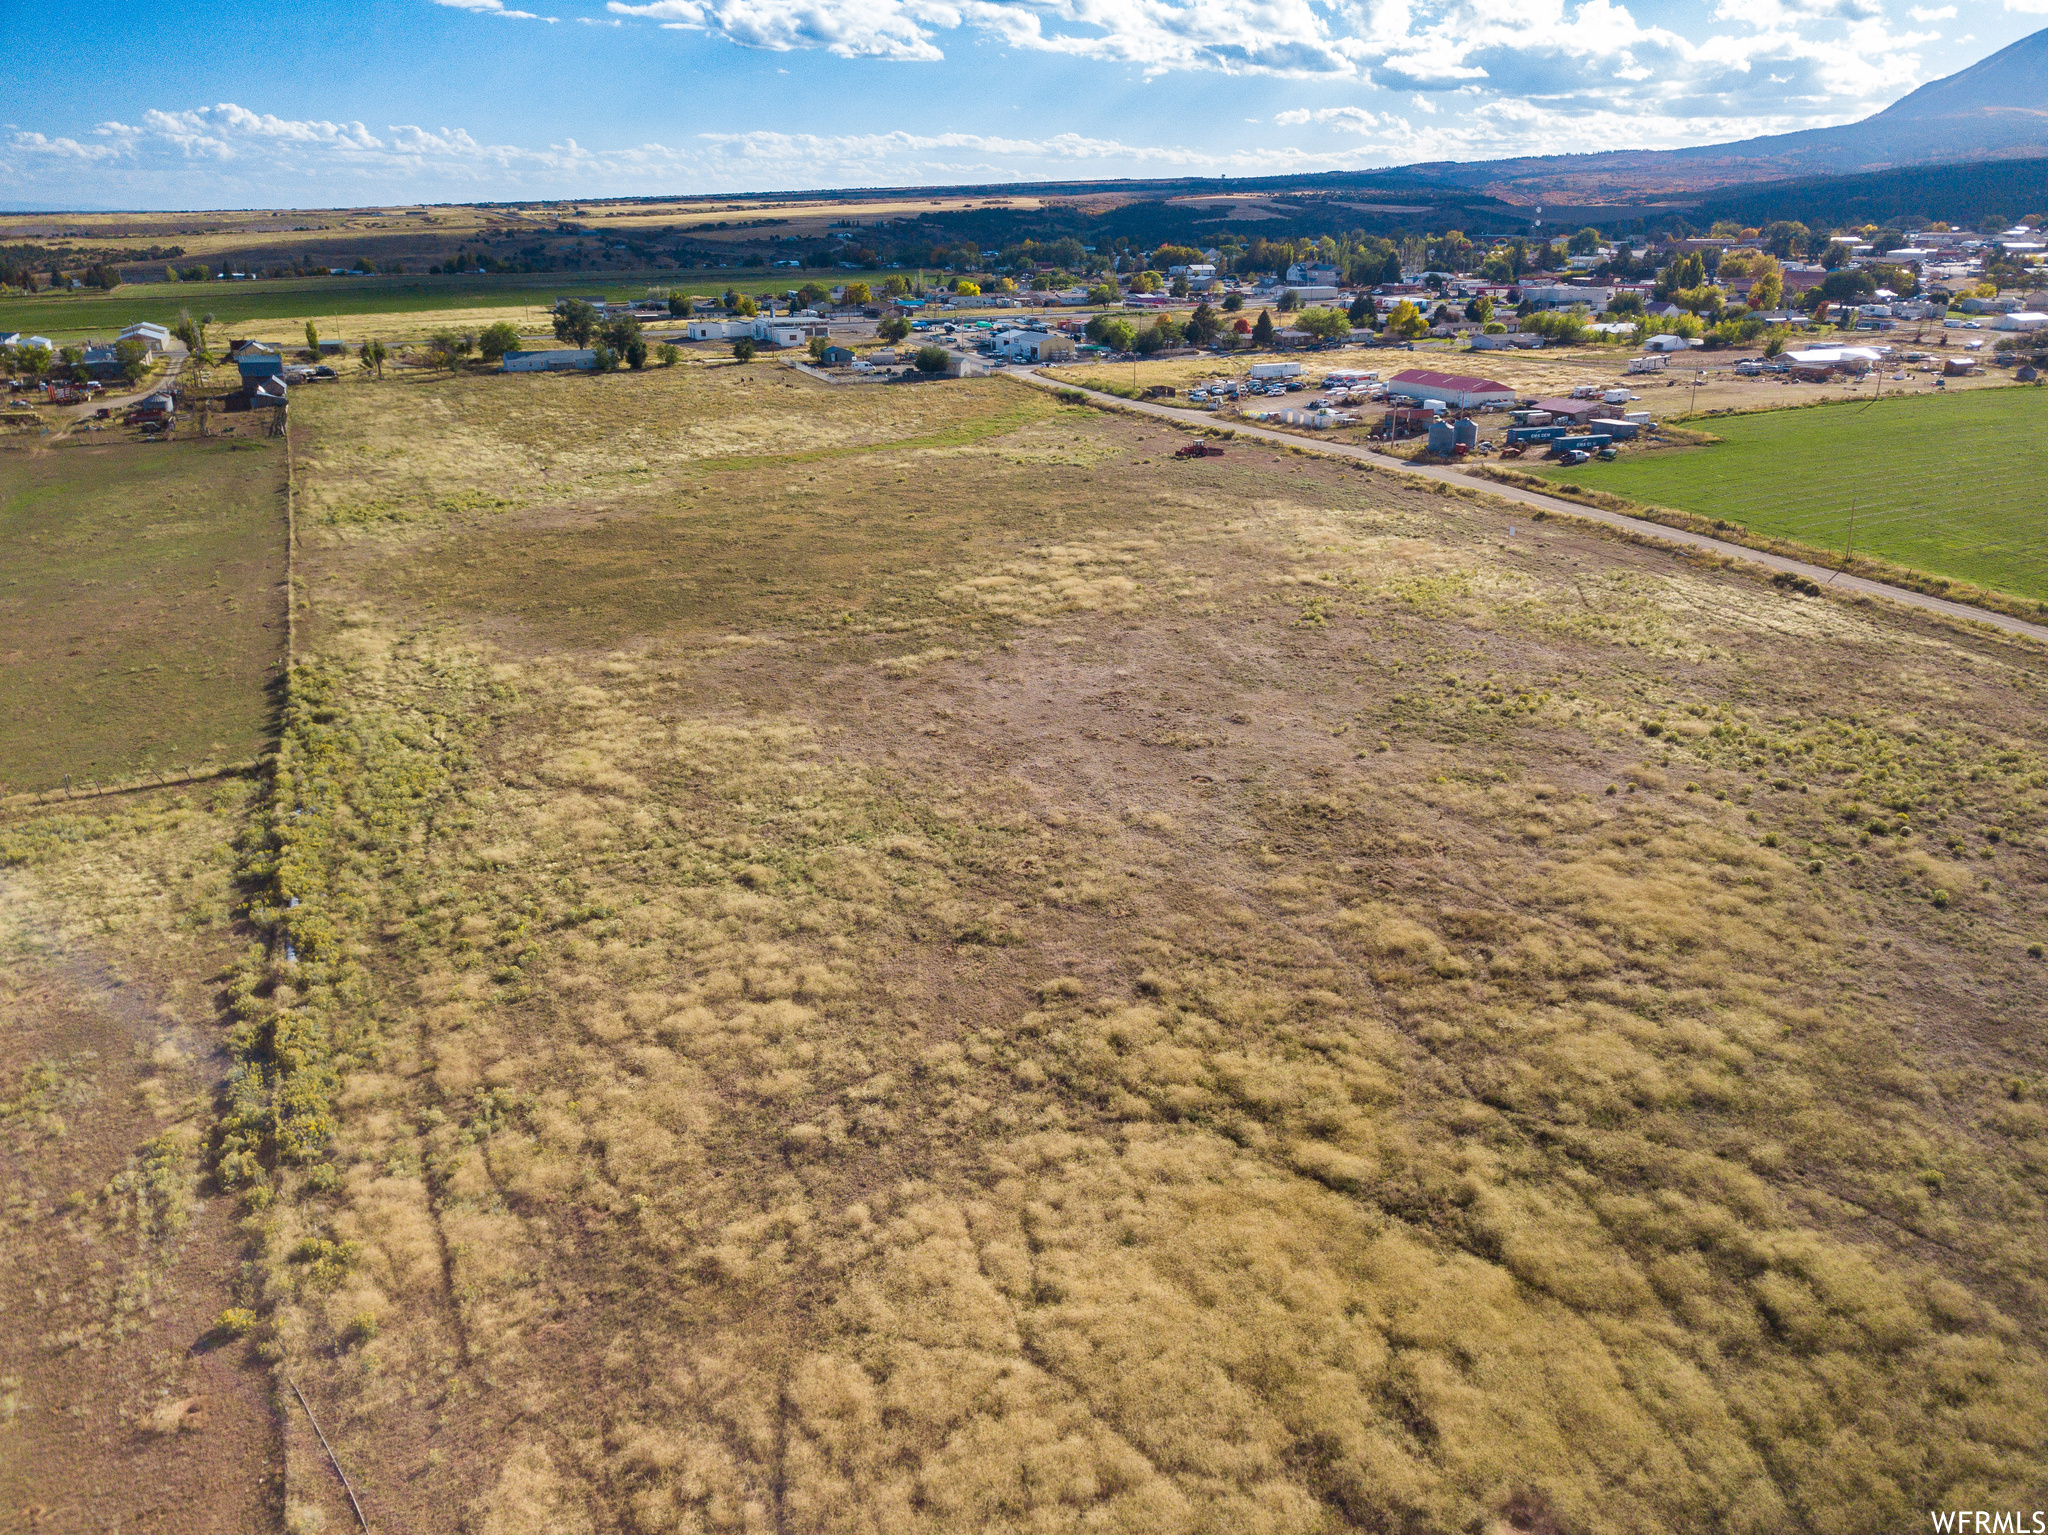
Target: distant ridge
{"x":1968,"y":195}
{"x":1995,"y":109}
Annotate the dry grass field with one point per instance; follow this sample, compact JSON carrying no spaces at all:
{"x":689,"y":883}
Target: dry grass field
{"x":894,"y":959}
{"x":124,"y":1404}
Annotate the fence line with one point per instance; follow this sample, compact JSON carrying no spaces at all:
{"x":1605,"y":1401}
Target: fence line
{"x":93,"y":788}
{"x":291,"y":547}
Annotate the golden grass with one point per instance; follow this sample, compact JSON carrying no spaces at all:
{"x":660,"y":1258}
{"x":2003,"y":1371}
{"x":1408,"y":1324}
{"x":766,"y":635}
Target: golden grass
{"x":1021,"y":986}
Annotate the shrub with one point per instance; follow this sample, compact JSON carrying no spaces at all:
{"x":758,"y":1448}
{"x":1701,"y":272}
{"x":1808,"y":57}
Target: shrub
{"x":236,"y":1322}
{"x":930,"y":359}
{"x":743,"y":349}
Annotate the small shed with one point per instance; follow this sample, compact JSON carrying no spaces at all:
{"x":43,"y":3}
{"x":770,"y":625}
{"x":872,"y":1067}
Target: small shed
{"x":1575,"y":412}
{"x":836,"y":357}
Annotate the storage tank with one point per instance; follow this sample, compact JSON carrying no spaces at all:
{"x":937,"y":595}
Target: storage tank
{"x":1443,"y":437}
{"x":1466,"y":433}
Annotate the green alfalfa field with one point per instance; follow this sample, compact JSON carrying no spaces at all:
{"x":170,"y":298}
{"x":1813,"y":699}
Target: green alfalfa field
{"x":1950,"y":485}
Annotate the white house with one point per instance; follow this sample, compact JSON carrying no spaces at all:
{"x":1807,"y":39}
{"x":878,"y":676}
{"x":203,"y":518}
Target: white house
{"x":2021,"y":319}
{"x":720,"y":330}
{"x":1669,"y":343}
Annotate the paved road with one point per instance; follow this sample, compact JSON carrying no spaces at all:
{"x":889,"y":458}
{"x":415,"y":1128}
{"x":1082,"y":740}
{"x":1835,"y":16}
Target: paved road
{"x":1834,"y":580}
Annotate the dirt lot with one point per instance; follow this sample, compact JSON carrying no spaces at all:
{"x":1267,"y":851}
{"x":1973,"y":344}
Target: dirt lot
{"x":1669,"y":395}
{"x":123,"y":1403}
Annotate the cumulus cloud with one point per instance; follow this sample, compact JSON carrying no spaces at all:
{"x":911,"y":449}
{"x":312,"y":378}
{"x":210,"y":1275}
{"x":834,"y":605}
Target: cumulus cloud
{"x":1829,"y":60}
{"x":240,"y":156}
{"x":494,"y":8}
{"x":884,"y":29}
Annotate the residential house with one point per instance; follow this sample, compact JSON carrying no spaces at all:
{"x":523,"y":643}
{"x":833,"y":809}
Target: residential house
{"x":257,"y":361}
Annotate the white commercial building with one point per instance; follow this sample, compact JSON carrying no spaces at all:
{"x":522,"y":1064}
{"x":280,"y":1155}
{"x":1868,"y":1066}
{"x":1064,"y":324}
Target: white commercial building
{"x":1034,"y":345}
{"x":2021,"y":319}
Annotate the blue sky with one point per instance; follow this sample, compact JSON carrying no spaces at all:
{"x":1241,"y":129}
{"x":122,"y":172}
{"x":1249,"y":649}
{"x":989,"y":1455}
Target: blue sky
{"x":244,"y":104}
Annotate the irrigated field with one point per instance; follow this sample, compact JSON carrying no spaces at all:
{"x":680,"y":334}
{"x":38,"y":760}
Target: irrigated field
{"x":1949,"y":486}
{"x":141,"y":607}
{"x":394,"y":300}
{"x":892,"y":959}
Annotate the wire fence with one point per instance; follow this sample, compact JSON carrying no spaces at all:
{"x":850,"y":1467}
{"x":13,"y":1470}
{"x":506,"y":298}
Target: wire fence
{"x":83,"y":787}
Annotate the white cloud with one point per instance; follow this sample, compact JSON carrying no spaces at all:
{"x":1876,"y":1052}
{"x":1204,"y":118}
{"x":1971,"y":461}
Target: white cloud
{"x":495,"y":8}
{"x":1347,"y":119}
{"x":240,"y":157}
{"x":882,"y":29}
{"x":1835,"y":59}
{"x":1924,"y":14}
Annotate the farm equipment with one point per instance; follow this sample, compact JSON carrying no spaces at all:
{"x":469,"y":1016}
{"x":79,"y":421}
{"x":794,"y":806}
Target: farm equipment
{"x":1608,"y":455}
{"x":1199,"y":450}
{"x":1516,"y":451}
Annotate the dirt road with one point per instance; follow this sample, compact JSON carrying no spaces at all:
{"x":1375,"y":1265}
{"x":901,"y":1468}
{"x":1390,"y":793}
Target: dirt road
{"x":1834,"y":580}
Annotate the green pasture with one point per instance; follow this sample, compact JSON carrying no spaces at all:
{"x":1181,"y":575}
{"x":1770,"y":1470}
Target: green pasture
{"x":64,"y":316}
{"x":1947,"y":484}
{"x":142,"y":617}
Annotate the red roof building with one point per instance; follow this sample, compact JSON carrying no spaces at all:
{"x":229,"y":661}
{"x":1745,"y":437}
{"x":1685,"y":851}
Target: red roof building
{"x":1461,"y":391}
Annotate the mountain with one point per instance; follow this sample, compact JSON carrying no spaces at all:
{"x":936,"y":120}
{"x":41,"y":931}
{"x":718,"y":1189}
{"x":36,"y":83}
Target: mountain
{"x":1972,"y":195}
{"x":1995,"y":109}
